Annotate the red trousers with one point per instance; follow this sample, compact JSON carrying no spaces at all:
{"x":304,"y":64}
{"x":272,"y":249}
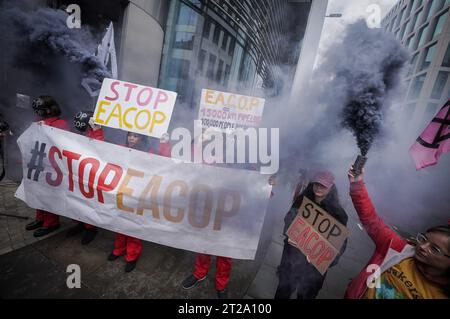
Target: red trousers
{"x":223,"y":269}
{"x":48,"y":218}
{"x":130,"y":246}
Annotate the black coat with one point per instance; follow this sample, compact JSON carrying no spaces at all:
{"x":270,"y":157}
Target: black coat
{"x":329,"y":204}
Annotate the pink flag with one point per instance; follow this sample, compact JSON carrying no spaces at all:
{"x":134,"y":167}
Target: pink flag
{"x":434,"y":141}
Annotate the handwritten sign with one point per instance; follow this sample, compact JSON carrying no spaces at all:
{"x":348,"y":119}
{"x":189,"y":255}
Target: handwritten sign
{"x":135,"y":108}
{"x":317,"y":234}
{"x":224,"y":110}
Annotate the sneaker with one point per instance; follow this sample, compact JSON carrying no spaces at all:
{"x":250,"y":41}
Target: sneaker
{"x":45,"y":231}
{"x":112,"y":257}
{"x":191,"y":281}
{"x":89,"y":236}
{"x":130,"y":265}
{"x":78,"y":228}
{"x":222,"y":294}
{"x":34,"y":225}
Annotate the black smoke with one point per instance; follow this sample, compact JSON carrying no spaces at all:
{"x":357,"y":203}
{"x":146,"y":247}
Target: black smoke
{"x":369,"y":76}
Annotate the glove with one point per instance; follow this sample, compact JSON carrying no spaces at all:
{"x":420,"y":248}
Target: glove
{"x":94,"y":126}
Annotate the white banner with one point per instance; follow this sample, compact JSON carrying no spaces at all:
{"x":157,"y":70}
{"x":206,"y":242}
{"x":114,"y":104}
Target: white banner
{"x":201,"y":208}
{"x":134,"y":108}
{"x":228,"y":111}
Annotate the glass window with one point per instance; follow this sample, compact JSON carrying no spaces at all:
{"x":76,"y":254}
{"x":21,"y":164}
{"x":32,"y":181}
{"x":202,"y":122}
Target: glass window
{"x":201,"y":61}
{"x":211,"y":66}
{"x":417,"y":4}
{"x":439,"y":85}
{"x":428,"y":57}
{"x":224,"y":41}
{"x":219,"y":72}
{"x":184,"y":40}
{"x":400,"y":16}
{"x":446,"y":3}
{"x":179,"y":68}
{"x":231,"y":47}
{"x":227,"y":75}
{"x":187,"y":16}
{"x":439,"y":25}
{"x":416,"y":87}
{"x":402,"y":32}
{"x":206,"y":29}
{"x":423,"y":35}
{"x":216,"y":35}
{"x":412,"y":65}
{"x":446,"y":61}
{"x":433,"y":7}
{"x":418,"y":19}
{"x":409,"y":41}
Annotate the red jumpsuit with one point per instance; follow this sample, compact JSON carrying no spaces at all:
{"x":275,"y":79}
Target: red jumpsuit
{"x":223,"y":266}
{"x":128,"y":245}
{"x":48,"y":218}
{"x":97,"y":135}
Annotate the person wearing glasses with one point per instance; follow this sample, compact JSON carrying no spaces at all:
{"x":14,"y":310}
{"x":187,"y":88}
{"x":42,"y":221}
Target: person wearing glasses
{"x":399,"y":269}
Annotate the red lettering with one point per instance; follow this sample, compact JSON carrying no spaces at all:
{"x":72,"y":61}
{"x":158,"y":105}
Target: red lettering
{"x":326,"y":256}
{"x":130,"y":87}
{"x":95,"y":164}
{"x":102,"y":185}
{"x":161,"y":98}
{"x":113,"y":85}
{"x":307,"y":250}
{"x":302,"y":237}
{"x":145,"y":102}
{"x":59,"y":176}
{"x":319,"y":243}
{"x":70,"y":157}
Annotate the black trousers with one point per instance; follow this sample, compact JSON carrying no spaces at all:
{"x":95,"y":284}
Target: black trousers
{"x":296,"y":273}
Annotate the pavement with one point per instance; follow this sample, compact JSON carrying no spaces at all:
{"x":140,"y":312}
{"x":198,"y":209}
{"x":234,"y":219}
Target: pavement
{"x":37,"y":268}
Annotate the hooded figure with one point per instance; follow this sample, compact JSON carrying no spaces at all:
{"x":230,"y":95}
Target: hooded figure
{"x":295,"y":272}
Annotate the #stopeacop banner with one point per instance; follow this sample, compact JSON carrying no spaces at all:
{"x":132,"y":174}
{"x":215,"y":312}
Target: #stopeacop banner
{"x":201,"y":208}
{"x":434,"y":141}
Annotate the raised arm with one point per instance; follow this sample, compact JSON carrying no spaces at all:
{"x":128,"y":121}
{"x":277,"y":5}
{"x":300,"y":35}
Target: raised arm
{"x":374,"y":224}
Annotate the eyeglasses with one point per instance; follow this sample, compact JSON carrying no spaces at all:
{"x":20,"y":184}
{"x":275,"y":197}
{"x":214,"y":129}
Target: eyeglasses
{"x":433,"y":249}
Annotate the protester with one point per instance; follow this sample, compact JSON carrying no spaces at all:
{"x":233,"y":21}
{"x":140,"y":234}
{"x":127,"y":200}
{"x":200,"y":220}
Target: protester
{"x":203,"y":261}
{"x":128,"y":245}
{"x":407,"y":271}
{"x":84,"y":123}
{"x":49,"y":114}
{"x":295,"y":271}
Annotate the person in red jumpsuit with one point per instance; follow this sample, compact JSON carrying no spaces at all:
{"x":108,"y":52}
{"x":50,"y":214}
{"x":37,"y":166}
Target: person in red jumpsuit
{"x":84,"y":123}
{"x":49,"y":113}
{"x":130,"y":246}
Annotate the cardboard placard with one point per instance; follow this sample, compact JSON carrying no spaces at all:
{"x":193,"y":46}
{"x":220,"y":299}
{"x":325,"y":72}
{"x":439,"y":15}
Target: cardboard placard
{"x":317,"y":234}
{"x":134,"y":108}
{"x":227,"y":111}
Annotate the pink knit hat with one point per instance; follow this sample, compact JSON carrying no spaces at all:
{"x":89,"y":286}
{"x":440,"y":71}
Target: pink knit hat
{"x":325,"y":178}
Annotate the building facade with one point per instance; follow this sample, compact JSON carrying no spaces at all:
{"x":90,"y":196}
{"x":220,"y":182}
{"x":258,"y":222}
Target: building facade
{"x":423,"y":27}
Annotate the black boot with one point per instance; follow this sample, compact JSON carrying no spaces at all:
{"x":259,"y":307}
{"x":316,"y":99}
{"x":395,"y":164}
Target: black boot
{"x":45,"y":231}
{"x":191,"y":281}
{"x":222,"y":294}
{"x":78,"y":228}
{"x":130,"y":266}
{"x":34,"y":225}
{"x":112,"y":257}
{"x":89,"y":236}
